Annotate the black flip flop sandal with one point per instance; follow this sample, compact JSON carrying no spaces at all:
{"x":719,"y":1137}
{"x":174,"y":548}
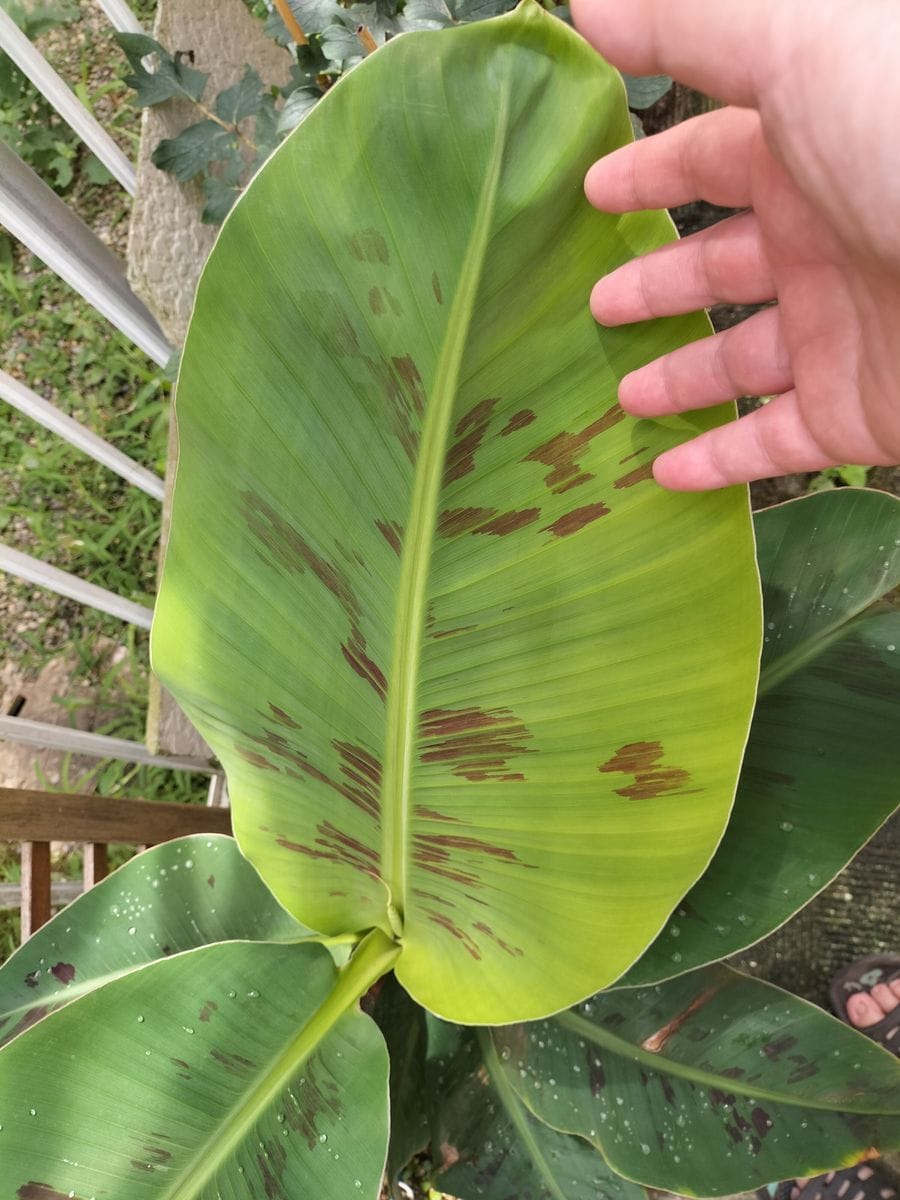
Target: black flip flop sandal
{"x":854,"y":1183}
{"x":861,"y":976}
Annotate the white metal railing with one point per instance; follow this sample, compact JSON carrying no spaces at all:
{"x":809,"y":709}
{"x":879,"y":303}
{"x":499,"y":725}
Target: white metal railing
{"x":33,"y":64}
{"x":37,"y":217}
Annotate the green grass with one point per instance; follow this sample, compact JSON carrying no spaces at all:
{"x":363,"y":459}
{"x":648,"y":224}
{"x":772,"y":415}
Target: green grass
{"x":57,"y":504}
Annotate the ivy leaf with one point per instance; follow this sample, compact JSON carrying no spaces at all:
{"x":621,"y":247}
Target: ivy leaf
{"x":243,"y":99}
{"x":375,"y":19}
{"x":173,"y":76}
{"x":297,"y":105}
{"x":267,"y":132}
{"x":477,"y":10}
{"x":426,"y":14}
{"x":341,"y":44}
{"x":220,"y":197}
{"x":315,"y":16}
{"x":644,"y":90}
{"x":195,"y":148}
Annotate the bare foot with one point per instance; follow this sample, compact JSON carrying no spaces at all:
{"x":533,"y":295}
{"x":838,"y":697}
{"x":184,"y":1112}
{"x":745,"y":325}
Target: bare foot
{"x":864,"y":1009}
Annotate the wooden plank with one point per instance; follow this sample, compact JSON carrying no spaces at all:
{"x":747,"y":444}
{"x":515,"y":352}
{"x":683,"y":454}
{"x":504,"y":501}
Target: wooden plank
{"x":96,"y":866}
{"x":32,"y":816}
{"x":35,"y":886}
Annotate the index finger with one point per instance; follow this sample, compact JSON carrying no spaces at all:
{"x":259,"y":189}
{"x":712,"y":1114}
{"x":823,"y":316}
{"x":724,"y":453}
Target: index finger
{"x":725,"y":48}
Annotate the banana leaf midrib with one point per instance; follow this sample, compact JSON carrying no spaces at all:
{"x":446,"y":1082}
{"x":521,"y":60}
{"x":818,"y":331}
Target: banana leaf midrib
{"x":410,"y":612}
{"x":375,"y":956}
{"x":811,"y":648}
{"x":514,"y":1105}
{"x":607,"y":1040}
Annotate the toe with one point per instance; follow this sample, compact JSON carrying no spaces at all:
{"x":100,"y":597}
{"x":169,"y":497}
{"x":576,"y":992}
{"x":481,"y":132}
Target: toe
{"x":863,"y":1010}
{"x":884,"y":997}
{"x":894,"y":985}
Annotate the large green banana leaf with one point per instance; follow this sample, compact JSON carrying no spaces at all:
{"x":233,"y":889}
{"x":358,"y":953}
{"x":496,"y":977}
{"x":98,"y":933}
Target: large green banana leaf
{"x":234,"y":1070}
{"x":823,"y":759}
{"x":488,"y":1145}
{"x":179,"y":896}
{"x":475,"y":679}
{"x":709,"y":1084}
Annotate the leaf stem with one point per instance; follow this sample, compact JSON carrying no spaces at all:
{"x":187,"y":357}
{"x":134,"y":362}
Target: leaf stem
{"x":293,"y":25}
{"x":402,"y":700}
{"x":374,"y":957}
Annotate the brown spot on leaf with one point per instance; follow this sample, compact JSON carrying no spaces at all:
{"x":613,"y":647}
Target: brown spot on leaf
{"x":469,"y":944}
{"x":656,"y":1041}
{"x":392,"y":532}
{"x":369,"y":246}
{"x":64,"y":972}
{"x":184,"y":1070}
{"x":39,"y":1191}
{"x":211,"y":881}
{"x":376,"y":301}
{"x":445,"y":633}
{"x":509,"y":522}
{"x":512,"y":951}
{"x":642,"y":760}
{"x":412,"y":381}
{"x":309,"y":1101}
{"x":272,"y":1161}
{"x":774,"y":1050}
{"x":207,"y":1010}
{"x":32,"y":979}
{"x":596,"y":1074}
{"x":517,"y":421}
{"x":234,"y":1064}
{"x":561,"y":453}
{"x":803,"y":1070}
{"x":469,"y":432}
{"x":401,"y":400}
{"x":733,"y":1072}
{"x":454,"y":521}
{"x":333,"y":845}
{"x":638,"y":475}
{"x":572,"y":522}
{"x":282,"y":717}
{"x":431,"y":814}
{"x":476,"y":742}
{"x":254,"y":759}
{"x":355,"y":653}
{"x":762,"y":1122}
{"x":667,"y":1090}
{"x":358,"y":766}
{"x":436,"y":288}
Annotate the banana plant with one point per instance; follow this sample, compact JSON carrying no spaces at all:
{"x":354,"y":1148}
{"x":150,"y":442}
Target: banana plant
{"x":482,"y":692}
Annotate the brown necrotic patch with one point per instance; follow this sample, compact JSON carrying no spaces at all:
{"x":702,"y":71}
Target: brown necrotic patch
{"x":657,"y":1041}
{"x":520,"y":420}
{"x":369,"y":246}
{"x":469,"y":432}
{"x":436,"y":288}
{"x":360,"y":770}
{"x":577,"y":519}
{"x":638,"y":475}
{"x":643,"y":760}
{"x":376,"y":301}
{"x":282,"y":717}
{"x":445,"y":633}
{"x":234,"y":1064}
{"x":335,"y":846}
{"x":334,"y":325}
{"x":506,"y":947}
{"x":476,"y":743}
{"x":208,"y":1011}
{"x":431,"y":814}
{"x":408,"y":373}
{"x":468,"y":942}
{"x":563,"y":452}
{"x":254,"y":759}
{"x":454,"y":521}
{"x":404,"y":398}
{"x":283,"y":545}
{"x":392,"y":532}
{"x":64,"y":972}
{"x":33,"y":1190}
{"x":316,"y":1097}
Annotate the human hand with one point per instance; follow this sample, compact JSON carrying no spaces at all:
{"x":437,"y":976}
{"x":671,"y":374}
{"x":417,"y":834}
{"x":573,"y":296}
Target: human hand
{"x":809,"y":147}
